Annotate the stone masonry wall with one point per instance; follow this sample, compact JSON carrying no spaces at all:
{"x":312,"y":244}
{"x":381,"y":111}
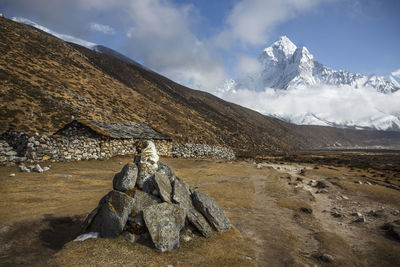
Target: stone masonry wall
{"x":202,"y":151}
{"x":18,"y":147}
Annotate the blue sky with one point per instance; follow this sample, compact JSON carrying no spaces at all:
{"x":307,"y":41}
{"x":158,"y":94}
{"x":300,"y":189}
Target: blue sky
{"x":201,"y":43}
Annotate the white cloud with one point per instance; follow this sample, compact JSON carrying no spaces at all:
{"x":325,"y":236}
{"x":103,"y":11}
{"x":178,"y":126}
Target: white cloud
{"x":396,"y":73}
{"x":251,"y":21}
{"x":101,"y":28}
{"x":248,"y":65}
{"x":341,"y":105}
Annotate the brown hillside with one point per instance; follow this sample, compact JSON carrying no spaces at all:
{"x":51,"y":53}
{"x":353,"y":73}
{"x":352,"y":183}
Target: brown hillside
{"x":44,"y":81}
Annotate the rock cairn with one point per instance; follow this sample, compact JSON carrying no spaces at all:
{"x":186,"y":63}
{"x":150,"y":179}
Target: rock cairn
{"x":148,"y":200}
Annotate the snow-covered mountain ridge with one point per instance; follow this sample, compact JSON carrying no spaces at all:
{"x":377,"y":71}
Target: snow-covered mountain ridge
{"x":292,"y":85}
{"x":286,"y":66}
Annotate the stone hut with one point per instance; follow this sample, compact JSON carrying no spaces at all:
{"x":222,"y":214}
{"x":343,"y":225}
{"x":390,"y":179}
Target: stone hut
{"x":115,"y":138}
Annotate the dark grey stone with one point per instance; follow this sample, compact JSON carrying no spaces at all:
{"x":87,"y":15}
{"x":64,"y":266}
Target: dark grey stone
{"x":126,"y":178}
{"x":182,"y":196}
{"x":142,"y":200}
{"x":111,"y":215}
{"x":214,"y":214}
{"x":163,"y":186}
{"x":165,"y":170}
{"x":164,"y":222}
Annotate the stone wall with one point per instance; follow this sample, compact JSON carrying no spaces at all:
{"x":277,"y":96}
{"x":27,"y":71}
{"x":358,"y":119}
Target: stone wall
{"x":202,"y":151}
{"x":18,"y":147}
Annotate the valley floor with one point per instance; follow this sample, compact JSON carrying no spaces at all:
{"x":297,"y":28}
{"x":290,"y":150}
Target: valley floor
{"x":288,"y":211}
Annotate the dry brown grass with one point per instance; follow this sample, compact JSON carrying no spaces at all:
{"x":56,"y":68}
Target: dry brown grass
{"x":269,"y":227}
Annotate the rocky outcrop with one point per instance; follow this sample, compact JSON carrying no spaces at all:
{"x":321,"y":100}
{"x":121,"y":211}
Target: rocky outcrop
{"x":161,"y":213}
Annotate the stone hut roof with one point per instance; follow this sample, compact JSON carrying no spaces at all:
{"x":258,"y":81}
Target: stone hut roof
{"x":119,"y":130}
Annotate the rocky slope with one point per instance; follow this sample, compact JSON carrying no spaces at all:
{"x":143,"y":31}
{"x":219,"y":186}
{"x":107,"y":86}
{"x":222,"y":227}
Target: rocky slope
{"x":46,"y":81}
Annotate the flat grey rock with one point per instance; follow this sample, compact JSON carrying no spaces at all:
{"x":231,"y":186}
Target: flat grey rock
{"x":142,"y":200}
{"x":126,"y":178}
{"x":111,"y":215}
{"x":197,"y":220}
{"x":164,"y":222}
{"x":213,"y":213}
{"x":165,"y":170}
{"x":182,"y":196}
{"x":163,"y":186}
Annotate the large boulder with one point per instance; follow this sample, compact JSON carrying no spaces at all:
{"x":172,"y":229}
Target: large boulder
{"x":111,"y":215}
{"x":214,"y":214}
{"x":164,"y":223}
{"x":126,"y":178}
{"x":182,"y":196}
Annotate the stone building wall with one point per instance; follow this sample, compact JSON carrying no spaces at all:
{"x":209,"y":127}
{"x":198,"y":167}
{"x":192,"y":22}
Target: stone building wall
{"x":18,"y":147}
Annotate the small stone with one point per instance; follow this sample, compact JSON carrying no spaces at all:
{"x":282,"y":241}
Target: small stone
{"x":67,"y":176}
{"x":130,"y":237}
{"x":368,"y":183}
{"x":395,"y":212}
{"x":372,"y":213}
{"x":360,"y":220}
{"x":45,"y":169}
{"x":337,"y":214}
{"x":23,"y":168}
{"x":359,"y":182}
{"x":37,"y":168}
{"x":356,"y":214}
{"x":306,"y":210}
{"x":322,"y":191}
{"x":12,"y":175}
{"x":186,"y":238}
{"x":326,"y":258}
{"x":321,"y":184}
{"x":345,"y":198}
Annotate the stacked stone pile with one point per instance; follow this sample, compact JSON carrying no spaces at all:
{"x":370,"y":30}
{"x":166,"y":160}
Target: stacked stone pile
{"x":148,"y":200}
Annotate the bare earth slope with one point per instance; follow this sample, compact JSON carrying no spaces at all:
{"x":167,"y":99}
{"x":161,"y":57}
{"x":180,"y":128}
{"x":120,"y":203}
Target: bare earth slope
{"x":44,"y":81}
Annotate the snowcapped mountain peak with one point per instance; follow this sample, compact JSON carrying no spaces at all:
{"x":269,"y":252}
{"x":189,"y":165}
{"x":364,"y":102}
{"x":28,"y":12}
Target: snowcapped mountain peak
{"x":292,"y":74}
{"x":281,"y":49}
{"x":286,"y":66}
{"x":302,"y":55}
